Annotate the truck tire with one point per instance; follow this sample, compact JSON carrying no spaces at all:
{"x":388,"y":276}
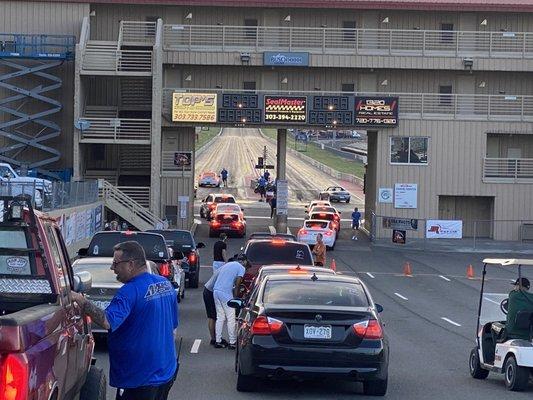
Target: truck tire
{"x":95,"y":385}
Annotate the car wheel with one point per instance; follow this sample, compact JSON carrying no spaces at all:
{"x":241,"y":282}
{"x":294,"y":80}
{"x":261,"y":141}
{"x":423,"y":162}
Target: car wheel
{"x":516,"y":378}
{"x":332,"y":247}
{"x":183,"y":292}
{"x":375,"y":388}
{"x":245,"y":383}
{"x":475,"y":366}
{"x":194,"y":280}
{"x":95,"y":386}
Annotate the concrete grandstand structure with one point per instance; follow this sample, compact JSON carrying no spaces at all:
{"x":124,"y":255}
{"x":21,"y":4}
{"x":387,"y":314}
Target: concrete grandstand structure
{"x":459,"y":70}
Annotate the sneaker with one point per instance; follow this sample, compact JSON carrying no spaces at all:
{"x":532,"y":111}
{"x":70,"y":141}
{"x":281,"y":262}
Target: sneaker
{"x":224,"y":342}
{"x":212,"y":342}
{"x":353,"y":237}
{"x":220,"y":345}
{"x":232,"y":346}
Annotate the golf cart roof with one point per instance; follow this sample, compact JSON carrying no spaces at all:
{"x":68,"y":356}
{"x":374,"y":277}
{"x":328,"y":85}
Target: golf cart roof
{"x":507,"y":262}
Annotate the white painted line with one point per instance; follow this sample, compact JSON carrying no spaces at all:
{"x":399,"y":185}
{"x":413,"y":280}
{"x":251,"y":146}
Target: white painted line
{"x":450,"y":321}
{"x":492,"y":301}
{"x":370,"y":275}
{"x":196,"y":346}
{"x":401,"y":297}
{"x":272,"y":229}
{"x":289,"y":231}
{"x":443,"y":277}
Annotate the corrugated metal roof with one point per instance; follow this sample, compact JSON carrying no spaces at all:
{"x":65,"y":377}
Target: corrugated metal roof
{"x":426,"y":5}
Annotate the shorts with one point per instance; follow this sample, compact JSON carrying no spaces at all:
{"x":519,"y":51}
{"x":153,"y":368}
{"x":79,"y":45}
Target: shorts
{"x":355,"y":225}
{"x":209,"y":302}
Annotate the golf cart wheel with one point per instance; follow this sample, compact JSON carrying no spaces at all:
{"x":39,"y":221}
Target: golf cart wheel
{"x":516,"y":378}
{"x":475,"y":366}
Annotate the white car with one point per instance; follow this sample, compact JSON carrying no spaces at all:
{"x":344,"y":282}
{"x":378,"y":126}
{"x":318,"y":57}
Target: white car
{"x":315,"y":203}
{"x":9,"y":188}
{"x":228,"y":208}
{"x":7,"y":172}
{"x":312,"y":227}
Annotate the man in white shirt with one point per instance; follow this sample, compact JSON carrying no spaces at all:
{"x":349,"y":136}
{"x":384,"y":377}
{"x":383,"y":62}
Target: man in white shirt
{"x":226,"y":288}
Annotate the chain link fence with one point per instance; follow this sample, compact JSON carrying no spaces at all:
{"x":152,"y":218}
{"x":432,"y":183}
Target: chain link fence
{"x":57,"y":195}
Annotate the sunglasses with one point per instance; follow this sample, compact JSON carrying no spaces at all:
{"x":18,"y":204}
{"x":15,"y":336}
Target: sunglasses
{"x":116,"y":263}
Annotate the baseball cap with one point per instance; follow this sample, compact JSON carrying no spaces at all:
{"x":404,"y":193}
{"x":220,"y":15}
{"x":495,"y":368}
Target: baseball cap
{"x":524,"y":281}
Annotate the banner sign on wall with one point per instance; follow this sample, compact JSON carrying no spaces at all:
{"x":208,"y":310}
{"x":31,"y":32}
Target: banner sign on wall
{"x":385,"y":195}
{"x":275,"y":58}
{"x":285,"y":109}
{"x":444,"y":229}
{"x":405,"y":195}
{"x":194,"y":107}
{"x":398,"y":236}
{"x":379,"y":111}
{"x":400,"y":223}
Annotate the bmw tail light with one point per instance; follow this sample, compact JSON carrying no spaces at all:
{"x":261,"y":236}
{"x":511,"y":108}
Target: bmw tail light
{"x":215,"y":224}
{"x":212,"y":206}
{"x":192,"y":257}
{"x":266,"y":326}
{"x":14,"y":378}
{"x":368,"y":329}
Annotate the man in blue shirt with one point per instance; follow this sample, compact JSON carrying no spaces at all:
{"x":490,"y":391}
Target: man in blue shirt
{"x":261,"y":186}
{"x":141,"y":320}
{"x":356,"y":216}
{"x":224,"y":175}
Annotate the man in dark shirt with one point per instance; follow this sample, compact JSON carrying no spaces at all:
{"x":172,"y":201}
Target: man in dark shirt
{"x":141,"y":321}
{"x":219,"y":252}
{"x":273,"y":205}
{"x":519,"y":300}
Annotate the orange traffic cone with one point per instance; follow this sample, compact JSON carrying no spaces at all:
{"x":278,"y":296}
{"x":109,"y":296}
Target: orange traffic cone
{"x":407,"y":269}
{"x":333,"y":265}
{"x":470,"y":272}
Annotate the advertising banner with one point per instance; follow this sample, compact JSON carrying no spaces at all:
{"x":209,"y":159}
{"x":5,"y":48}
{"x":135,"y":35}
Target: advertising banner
{"x":194,"y":107}
{"x":80,"y":226}
{"x":444,"y":229}
{"x":400,"y":223}
{"x":183,"y":159}
{"x":285,"y":109}
{"x":378,"y":111}
{"x":70,"y":224}
{"x":405,"y":195}
{"x":398,"y":236}
{"x":98,"y":219}
{"x":282,"y":58}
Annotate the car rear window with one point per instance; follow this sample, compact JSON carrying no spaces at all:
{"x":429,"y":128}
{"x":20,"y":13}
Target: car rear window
{"x":227,"y":218}
{"x":176,"y":238}
{"x":323,"y":209}
{"x":101,"y":273}
{"x":224,"y":199}
{"x":102,"y":244}
{"x":316,"y":224}
{"x":14,"y":264}
{"x":315,"y":293}
{"x":325,"y":216}
{"x":224,"y":207}
{"x":279,"y":252}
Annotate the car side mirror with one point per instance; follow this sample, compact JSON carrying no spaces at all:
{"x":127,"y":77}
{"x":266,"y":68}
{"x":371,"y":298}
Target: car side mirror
{"x":235,"y":303}
{"x":83,"y":282}
{"x":82,"y":252}
{"x":200,"y":245}
{"x":379,"y":308}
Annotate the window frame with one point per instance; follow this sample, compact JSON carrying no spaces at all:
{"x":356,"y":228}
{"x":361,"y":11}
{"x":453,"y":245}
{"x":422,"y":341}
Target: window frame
{"x":408,"y":150}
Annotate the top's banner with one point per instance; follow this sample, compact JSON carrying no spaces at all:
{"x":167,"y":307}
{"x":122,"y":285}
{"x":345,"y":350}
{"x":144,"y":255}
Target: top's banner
{"x":194,"y":107}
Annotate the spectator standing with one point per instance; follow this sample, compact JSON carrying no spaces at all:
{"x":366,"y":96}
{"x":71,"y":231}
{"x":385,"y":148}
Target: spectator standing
{"x":141,"y":320}
{"x":273,"y":205}
{"x":261,"y":186}
{"x":356,"y":217}
{"x":210,"y":309}
{"x":226,"y":287}
{"x":319,"y":251}
{"x":219,"y":252}
{"x":267,"y":175}
{"x":224,"y":175}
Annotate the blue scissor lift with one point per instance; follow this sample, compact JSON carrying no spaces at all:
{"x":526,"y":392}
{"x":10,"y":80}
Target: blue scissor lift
{"x":27,"y":80}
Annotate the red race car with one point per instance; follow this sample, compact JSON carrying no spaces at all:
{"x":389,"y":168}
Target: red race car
{"x":232,"y":224}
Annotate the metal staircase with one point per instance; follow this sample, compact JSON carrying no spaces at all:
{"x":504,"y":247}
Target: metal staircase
{"x":27,"y":112}
{"x":129,"y":209}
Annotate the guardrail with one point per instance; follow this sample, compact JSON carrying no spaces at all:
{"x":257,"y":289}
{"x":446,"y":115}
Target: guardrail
{"x":138,"y":212}
{"x":57,"y":195}
{"x":115,"y":130}
{"x":477,"y":107}
{"x":107,"y":59}
{"x":141,"y":194}
{"x":349,"y":41}
{"x":137,"y":33}
{"x":507,"y":169}
{"x":32,"y":45}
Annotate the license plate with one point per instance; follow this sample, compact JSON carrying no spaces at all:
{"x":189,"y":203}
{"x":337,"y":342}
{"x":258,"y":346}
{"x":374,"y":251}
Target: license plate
{"x":317,"y":332}
{"x":101,"y":304}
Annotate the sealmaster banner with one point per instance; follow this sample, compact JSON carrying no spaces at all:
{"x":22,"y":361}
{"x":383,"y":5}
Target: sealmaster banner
{"x":285,"y":109}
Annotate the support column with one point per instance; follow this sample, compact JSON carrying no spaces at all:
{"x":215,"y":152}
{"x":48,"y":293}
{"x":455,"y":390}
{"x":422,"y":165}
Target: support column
{"x":281,"y":161}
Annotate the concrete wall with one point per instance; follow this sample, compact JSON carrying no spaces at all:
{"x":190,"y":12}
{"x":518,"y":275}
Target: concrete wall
{"x":455,"y":168}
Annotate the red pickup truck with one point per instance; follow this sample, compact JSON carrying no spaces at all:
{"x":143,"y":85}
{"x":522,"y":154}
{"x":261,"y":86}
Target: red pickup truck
{"x":46,"y":345}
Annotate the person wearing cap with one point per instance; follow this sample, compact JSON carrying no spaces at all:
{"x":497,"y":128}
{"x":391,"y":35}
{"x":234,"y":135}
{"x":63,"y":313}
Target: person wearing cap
{"x":219,"y":252}
{"x":519,"y":300}
{"x":227,"y":287}
{"x":319,"y":251}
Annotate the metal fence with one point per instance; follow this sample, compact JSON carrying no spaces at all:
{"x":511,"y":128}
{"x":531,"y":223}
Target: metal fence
{"x":58,"y":195}
{"x":474,"y":232}
{"x":349,"y":41}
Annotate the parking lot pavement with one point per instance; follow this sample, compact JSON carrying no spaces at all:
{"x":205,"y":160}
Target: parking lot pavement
{"x":430,"y":319}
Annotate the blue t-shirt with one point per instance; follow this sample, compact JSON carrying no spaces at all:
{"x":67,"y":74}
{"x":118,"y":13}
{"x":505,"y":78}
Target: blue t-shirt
{"x":262,"y":181}
{"x":224,"y":173}
{"x":143,"y":315}
{"x":356,"y":216}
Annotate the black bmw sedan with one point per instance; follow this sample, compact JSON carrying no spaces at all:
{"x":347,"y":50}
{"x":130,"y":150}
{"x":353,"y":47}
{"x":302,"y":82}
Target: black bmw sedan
{"x":306,"y":326}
